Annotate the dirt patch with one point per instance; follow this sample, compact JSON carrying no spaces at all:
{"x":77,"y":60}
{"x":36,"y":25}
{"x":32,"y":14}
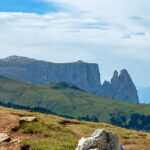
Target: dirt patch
{"x":9,"y":124}
{"x":25,"y":147}
{"x":68,"y":122}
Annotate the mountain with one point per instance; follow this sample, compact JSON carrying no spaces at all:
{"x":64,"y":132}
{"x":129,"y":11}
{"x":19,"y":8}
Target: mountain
{"x":121,"y":87}
{"x":86,"y":76}
{"x":50,"y":132}
{"x":144,"y":95}
{"x":69,"y":101}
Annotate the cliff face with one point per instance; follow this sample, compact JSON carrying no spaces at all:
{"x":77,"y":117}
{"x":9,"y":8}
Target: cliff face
{"x":84,"y":75}
{"x":121,"y":87}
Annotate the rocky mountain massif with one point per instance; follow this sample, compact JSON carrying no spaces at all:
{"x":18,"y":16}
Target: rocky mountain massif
{"x":120,"y":87}
{"x":84,"y":75}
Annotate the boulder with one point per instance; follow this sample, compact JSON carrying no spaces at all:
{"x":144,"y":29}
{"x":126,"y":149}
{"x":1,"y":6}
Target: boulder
{"x":4,"y":137}
{"x":100,"y":140}
{"x":27,"y":119}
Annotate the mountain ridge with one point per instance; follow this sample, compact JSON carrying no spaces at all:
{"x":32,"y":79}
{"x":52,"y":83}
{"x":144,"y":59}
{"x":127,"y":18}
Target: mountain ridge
{"x":84,"y":75}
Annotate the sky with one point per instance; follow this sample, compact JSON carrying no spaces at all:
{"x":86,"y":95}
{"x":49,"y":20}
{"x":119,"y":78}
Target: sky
{"x":115,"y":34}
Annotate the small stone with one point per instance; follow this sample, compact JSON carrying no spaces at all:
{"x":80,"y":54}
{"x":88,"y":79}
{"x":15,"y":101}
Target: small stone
{"x":4,"y":137}
{"x":27,"y":119}
{"x":15,"y":141}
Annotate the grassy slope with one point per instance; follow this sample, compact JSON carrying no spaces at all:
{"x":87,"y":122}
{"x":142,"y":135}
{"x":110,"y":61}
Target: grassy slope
{"x":65,"y":101}
{"x":50,"y":133}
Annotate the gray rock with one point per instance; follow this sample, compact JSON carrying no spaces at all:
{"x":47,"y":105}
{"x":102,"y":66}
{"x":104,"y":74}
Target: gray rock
{"x":121,"y":87}
{"x":84,"y":75}
{"x":100,"y":140}
{"x":4,"y":137}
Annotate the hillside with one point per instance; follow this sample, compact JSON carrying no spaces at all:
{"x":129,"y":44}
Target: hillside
{"x":56,"y":133}
{"x":71,"y":102}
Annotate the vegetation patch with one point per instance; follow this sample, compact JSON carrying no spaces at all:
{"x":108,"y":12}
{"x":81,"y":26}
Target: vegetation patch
{"x":49,"y":134}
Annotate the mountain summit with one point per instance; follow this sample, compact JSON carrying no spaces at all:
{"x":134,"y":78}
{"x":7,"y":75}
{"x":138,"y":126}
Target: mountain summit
{"x":84,"y":75}
{"x":121,"y":87}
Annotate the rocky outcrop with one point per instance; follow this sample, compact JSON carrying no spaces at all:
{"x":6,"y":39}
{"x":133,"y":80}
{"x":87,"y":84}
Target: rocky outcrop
{"x":86,"y":76}
{"x":100,"y":140}
{"x":121,"y":87}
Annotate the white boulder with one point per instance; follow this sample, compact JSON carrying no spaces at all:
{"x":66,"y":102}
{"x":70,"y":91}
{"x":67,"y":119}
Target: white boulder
{"x":27,"y":119}
{"x":100,"y":140}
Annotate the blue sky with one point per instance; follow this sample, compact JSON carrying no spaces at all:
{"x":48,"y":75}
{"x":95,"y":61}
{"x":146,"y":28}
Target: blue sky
{"x":27,"y":6}
{"x":115,"y":34}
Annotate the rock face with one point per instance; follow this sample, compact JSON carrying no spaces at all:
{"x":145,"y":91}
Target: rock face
{"x":100,"y":140}
{"x":86,"y":76}
{"x":121,"y":87}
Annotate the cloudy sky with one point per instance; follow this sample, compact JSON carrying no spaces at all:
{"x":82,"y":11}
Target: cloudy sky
{"x":113,"y":33}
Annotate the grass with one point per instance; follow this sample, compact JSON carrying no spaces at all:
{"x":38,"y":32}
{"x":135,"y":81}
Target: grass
{"x":66,"y":101}
{"x":56,"y":133}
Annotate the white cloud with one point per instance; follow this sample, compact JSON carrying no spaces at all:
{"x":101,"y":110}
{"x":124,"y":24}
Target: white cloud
{"x":87,"y":30}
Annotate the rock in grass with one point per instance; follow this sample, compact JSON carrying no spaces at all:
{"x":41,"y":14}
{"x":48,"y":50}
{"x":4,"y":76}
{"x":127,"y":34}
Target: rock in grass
{"x":100,"y":140}
{"x":4,"y":137}
{"x":27,"y":119}
{"x":15,"y":141}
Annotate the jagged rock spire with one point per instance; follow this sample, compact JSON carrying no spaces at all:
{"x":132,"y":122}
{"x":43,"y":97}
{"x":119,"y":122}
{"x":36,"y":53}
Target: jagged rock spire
{"x":121,"y":87}
{"x":115,"y":77}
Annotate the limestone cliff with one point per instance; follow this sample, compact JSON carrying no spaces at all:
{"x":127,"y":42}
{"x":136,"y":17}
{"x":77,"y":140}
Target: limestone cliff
{"x":84,"y":75}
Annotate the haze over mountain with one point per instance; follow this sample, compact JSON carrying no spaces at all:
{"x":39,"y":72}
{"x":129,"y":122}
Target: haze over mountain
{"x":84,"y":75}
{"x":144,"y":95}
